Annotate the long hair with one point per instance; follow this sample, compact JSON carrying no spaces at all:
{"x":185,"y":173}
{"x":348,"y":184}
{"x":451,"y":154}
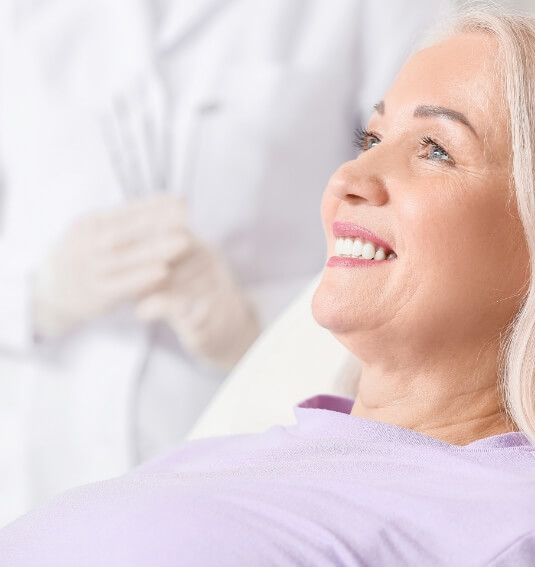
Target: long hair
{"x":515,"y":35}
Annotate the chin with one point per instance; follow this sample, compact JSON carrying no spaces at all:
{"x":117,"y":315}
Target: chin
{"x":331,"y":308}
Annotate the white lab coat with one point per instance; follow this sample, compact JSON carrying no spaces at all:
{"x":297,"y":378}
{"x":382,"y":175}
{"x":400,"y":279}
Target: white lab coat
{"x":266,"y":96}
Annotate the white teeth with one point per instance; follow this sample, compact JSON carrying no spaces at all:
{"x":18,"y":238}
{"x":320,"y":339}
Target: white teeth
{"x":347,"y":247}
{"x":380,"y":254}
{"x":368,"y":251}
{"x":357,"y":248}
{"x":361,"y":249}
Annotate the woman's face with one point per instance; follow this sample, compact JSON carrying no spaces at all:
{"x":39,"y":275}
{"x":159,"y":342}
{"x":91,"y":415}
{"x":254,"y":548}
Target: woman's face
{"x":432,"y":184}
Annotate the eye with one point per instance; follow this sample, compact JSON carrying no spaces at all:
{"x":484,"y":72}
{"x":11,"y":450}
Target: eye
{"x":365,"y":140}
{"x":434,"y":151}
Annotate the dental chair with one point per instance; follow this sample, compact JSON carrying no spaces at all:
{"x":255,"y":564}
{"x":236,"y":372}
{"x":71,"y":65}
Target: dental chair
{"x":292,"y":360}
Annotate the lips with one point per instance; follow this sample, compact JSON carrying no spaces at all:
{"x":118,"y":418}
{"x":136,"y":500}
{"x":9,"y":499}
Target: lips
{"x":358,"y":246}
{"x":350,"y":230}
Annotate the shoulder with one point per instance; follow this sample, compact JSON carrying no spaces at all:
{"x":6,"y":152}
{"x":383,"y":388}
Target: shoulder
{"x":218,"y":451}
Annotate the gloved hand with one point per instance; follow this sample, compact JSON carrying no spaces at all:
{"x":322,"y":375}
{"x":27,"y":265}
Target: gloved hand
{"x":205,"y":307}
{"x":107,"y":259}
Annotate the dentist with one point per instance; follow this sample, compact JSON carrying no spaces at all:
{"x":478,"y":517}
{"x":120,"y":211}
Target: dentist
{"x":145,"y":149}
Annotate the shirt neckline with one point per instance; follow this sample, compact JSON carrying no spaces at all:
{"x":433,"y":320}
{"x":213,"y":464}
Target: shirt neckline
{"x":327,"y":415}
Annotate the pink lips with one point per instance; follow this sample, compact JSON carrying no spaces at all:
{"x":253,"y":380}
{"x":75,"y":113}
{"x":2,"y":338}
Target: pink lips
{"x":354,"y":231}
{"x":341,"y":229}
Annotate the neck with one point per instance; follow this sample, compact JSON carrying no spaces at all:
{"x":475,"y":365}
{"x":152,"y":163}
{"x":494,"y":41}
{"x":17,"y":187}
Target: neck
{"x":458,"y":406}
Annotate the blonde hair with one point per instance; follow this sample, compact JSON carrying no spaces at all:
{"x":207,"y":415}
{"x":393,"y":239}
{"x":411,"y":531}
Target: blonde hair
{"x":515,"y":36}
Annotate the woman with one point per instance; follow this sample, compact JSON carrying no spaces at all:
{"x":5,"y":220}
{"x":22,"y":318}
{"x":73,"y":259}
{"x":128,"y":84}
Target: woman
{"x":433,"y":464}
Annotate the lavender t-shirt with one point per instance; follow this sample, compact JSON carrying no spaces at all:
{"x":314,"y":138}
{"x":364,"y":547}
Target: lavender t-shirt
{"x":331,"y":490}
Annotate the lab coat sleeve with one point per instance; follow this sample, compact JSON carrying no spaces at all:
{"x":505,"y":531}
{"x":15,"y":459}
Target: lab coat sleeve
{"x":16,"y":333}
{"x":15,"y":281}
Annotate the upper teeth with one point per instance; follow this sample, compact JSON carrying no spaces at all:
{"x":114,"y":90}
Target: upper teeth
{"x":357,"y":248}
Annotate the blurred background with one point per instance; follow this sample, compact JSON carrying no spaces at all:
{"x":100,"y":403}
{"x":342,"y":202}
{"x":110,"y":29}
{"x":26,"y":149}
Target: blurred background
{"x":161,"y":170}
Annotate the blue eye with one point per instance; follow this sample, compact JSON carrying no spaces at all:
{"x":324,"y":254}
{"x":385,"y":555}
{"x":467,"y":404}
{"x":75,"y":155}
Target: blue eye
{"x":435,"y":151}
{"x":365,"y":140}
{"x":372,"y":142}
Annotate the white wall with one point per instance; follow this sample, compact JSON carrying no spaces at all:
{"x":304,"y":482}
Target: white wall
{"x":528,"y":5}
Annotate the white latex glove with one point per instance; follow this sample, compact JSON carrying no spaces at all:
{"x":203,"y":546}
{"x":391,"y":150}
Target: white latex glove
{"x":107,"y":259}
{"x":204,"y":305}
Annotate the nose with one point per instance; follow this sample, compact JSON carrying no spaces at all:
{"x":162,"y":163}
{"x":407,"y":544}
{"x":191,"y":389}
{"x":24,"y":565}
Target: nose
{"x":355,"y":183}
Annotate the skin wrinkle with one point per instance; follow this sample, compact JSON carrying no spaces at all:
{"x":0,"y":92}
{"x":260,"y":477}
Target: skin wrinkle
{"x":429,"y":111}
{"x":429,"y":328}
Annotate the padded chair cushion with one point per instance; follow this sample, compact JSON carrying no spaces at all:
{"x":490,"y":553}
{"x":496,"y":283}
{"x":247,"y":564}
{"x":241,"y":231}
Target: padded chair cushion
{"x":292,"y":360}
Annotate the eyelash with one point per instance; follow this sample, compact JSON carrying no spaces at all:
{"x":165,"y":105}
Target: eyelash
{"x":362,"y":135}
{"x":426,"y":141}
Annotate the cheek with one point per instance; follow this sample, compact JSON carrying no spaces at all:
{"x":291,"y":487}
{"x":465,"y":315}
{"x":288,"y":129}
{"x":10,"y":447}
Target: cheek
{"x":506,"y":255}
{"x":471,"y":257}
{"x":329,"y":206}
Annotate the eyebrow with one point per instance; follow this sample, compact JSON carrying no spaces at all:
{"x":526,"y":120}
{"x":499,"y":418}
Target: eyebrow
{"x":430,"y":111}
{"x":441,"y":112}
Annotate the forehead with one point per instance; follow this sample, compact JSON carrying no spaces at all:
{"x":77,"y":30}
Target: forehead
{"x":459,"y":73}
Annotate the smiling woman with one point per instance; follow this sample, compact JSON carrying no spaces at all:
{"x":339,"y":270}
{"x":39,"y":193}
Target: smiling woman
{"x":429,"y":282}
{"x":433,"y":180}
